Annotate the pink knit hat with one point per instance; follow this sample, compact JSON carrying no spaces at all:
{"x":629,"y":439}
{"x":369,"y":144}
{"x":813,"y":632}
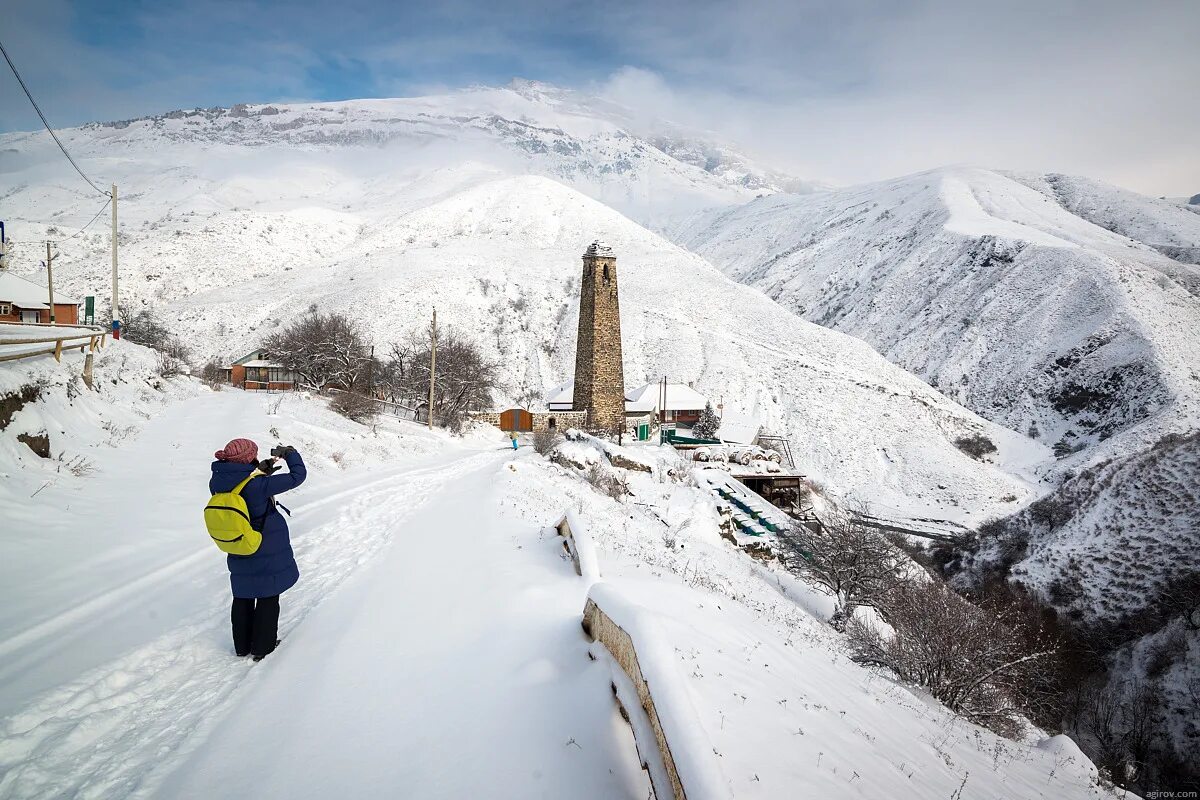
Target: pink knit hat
{"x":239,"y":451}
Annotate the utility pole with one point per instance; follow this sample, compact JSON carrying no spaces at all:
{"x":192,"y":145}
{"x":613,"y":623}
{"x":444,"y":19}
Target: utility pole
{"x":116,"y":317}
{"x":371,"y":374}
{"x":432,"y":364}
{"x":50,"y":280}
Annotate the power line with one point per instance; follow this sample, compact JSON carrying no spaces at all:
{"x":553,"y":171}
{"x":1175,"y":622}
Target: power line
{"x":85,"y":227}
{"x":47,"y":124}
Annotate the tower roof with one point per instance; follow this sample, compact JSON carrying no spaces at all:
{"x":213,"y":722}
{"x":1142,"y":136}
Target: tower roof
{"x":599,"y":249}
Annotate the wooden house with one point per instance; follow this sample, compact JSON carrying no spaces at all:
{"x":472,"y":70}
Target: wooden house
{"x":256,"y":371}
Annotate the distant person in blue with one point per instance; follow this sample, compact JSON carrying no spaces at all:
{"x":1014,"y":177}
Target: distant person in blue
{"x":258,"y":580}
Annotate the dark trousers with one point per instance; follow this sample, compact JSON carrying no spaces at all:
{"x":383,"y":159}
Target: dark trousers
{"x":255,"y":624}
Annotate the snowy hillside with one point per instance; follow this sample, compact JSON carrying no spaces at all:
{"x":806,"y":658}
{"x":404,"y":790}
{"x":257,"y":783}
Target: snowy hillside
{"x":501,"y":262}
{"x":1007,"y":301}
{"x":990,"y":290}
{"x":432,"y":647}
{"x":1169,"y":227}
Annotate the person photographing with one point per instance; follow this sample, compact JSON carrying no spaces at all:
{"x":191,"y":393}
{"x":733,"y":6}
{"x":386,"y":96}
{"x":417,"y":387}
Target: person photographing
{"x":244,"y":520}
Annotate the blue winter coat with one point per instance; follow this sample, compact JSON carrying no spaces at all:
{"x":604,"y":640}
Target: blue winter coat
{"x":272,"y":569}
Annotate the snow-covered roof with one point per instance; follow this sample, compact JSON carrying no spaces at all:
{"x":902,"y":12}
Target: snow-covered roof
{"x":680,"y":397}
{"x":739,"y":428}
{"x":641,"y":400}
{"x":258,"y":362}
{"x":561,"y":397}
{"x":28,"y":294}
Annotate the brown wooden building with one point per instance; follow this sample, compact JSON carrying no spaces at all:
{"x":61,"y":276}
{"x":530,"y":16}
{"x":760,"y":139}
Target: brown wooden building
{"x":256,"y":371}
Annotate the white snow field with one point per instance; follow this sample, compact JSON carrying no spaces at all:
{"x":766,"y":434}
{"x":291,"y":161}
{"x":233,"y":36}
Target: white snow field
{"x":432,"y":648}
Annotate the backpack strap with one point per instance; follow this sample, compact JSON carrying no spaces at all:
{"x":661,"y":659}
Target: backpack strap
{"x":238,"y":489}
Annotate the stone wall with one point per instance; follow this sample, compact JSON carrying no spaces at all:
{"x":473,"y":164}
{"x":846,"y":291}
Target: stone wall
{"x":563,"y":420}
{"x":599,"y":369}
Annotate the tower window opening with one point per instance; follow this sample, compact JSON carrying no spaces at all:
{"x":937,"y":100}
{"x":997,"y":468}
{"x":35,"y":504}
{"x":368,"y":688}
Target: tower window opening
{"x":606,"y":272}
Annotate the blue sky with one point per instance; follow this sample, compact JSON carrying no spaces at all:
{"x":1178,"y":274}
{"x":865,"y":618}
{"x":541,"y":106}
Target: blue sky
{"x":843,"y":90}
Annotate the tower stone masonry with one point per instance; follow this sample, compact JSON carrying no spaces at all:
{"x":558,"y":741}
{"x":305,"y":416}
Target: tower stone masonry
{"x":599,"y":370}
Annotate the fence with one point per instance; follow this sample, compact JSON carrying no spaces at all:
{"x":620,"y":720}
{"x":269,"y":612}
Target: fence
{"x":398,"y":410}
{"x":15,"y":344}
{"x":666,"y":732}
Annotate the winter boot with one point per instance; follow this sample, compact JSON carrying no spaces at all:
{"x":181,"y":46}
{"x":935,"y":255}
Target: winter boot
{"x":264,"y":655}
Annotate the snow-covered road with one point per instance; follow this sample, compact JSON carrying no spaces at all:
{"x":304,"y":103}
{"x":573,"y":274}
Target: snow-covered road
{"x":426,"y":646}
{"x":455,"y":666}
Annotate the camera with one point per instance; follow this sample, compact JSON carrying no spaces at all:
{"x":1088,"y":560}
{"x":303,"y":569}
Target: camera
{"x":280,"y":450}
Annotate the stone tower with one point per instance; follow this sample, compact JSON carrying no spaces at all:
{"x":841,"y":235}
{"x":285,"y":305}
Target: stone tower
{"x":599,"y":371}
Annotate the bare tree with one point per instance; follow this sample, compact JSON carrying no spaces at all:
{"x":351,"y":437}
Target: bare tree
{"x":1181,"y":596}
{"x":981,"y":663}
{"x":848,"y":558}
{"x":322,"y":350}
{"x":466,"y":379}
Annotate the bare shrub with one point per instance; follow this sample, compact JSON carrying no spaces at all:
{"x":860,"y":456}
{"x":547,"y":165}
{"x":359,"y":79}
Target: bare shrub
{"x":212,"y":374}
{"x":976,"y":445}
{"x":144,"y":327}
{"x":173,"y":359}
{"x":357,"y":407}
{"x":606,"y":482}
{"x":80,"y":466}
{"x":982,"y":663}
{"x":321,"y":350}
{"x":851,"y":560}
{"x":545,"y":440}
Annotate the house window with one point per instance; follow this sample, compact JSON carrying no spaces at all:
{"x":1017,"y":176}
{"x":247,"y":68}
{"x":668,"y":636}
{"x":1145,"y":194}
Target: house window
{"x":550,"y":423}
{"x":5,"y":309}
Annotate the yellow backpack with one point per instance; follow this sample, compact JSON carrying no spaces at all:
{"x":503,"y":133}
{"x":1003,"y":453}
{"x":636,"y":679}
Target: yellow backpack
{"x":228,"y":520}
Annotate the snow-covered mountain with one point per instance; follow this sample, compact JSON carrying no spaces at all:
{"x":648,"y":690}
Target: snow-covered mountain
{"x":500,"y":258}
{"x":481,"y":201}
{"x":644,"y":169}
{"x":1045,"y":305}
{"x":1049,"y":305}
